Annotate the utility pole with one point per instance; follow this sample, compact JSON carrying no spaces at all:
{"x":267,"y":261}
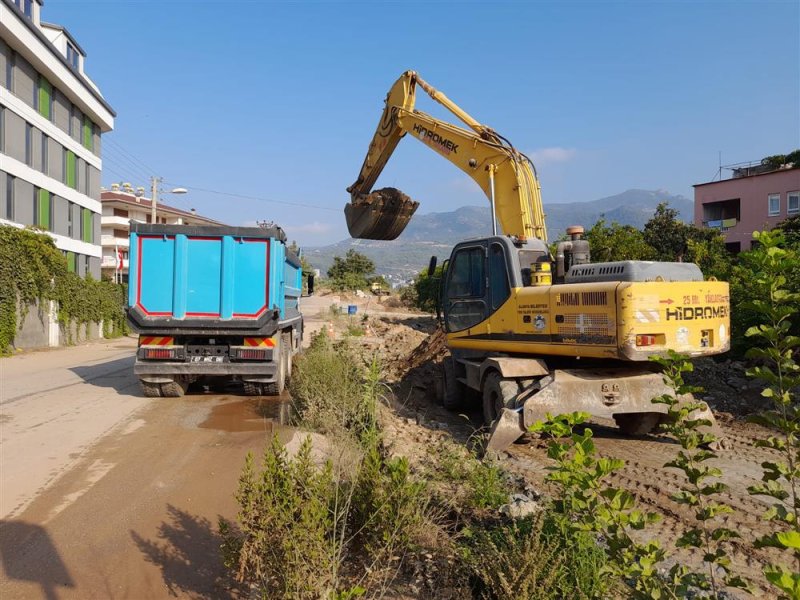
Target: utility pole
{"x":154,"y":197}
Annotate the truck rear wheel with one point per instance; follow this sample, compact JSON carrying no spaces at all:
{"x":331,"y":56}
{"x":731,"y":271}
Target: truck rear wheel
{"x":286,"y":340}
{"x":637,"y":423}
{"x":275,"y":388}
{"x":150,"y":390}
{"x":498,"y":393}
{"x":173,"y":389}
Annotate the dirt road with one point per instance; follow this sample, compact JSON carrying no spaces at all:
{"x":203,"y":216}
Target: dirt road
{"x":106,"y":494}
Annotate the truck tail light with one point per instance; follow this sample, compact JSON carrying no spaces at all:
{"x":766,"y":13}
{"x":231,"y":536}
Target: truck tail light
{"x":252,"y":354}
{"x":650,"y":339}
{"x":159,"y":353}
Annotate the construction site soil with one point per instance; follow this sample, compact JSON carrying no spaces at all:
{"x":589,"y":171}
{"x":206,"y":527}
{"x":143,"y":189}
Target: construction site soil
{"x":411,"y":348}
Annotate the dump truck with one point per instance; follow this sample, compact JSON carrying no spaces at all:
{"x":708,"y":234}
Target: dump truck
{"x":213,"y":304}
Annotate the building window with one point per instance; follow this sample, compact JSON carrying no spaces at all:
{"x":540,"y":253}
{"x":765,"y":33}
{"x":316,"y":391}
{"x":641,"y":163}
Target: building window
{"x":793,"y":203}
{"x":70,"y":219}
{"x":10,"y":179}
{"x":119,"y":212}
{"x":88,"y":140}
{"x":71,"y":262}
{"x":71,"y":117}
{"x":87,"y":232}
{"x":29,"y":144}
{"x":2,"y":128}
{"x":44,"y":99}
{"x":86,"y":266}
{"x":10,"y":71}
{"x":26,"y":6}
{"x":774,"y":204}
{"x":45,"y":144}
{"x":70,"y":169}
{"x":43,"y":208}
{"x":72,"y":55}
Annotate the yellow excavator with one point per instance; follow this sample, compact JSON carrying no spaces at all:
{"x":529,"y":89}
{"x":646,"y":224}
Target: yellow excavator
{"x":531,"y":333}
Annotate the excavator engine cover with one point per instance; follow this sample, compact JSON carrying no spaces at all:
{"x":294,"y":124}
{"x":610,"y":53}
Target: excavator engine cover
{"x":380,"y":215}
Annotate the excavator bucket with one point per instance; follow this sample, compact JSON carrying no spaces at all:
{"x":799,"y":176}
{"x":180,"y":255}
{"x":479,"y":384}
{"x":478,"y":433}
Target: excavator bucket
{"x":604,"y":393}
{"x":380,"y":215}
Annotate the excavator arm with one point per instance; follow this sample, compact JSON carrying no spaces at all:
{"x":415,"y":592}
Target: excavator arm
{"x":506,"y":176}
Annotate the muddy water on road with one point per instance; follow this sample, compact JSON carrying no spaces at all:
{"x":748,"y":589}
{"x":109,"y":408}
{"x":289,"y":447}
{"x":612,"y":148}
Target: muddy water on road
{"x":268,"y":414}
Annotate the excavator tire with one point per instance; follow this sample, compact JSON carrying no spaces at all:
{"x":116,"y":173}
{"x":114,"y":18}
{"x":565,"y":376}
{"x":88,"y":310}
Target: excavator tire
{"x":453,"y":390}
{"x":150,"y":390}
{"x":498,"y":393}
{"x":637,"y":423}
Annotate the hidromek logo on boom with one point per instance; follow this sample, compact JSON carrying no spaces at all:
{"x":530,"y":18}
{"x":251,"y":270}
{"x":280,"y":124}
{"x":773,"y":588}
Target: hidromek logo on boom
{"x":434,"y":138}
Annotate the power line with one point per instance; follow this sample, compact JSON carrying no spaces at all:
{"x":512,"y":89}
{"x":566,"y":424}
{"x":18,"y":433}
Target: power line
{"x":258,"y":198}
{"x":131,"y":156}
{"x":129,"y":165}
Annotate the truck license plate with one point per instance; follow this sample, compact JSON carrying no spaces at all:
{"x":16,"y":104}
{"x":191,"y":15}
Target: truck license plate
{"x":206,"y":359}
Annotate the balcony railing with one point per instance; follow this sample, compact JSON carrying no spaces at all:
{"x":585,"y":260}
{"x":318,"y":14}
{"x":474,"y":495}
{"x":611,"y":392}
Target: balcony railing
{"x":110,"y":241}
{"x":721,"y":224}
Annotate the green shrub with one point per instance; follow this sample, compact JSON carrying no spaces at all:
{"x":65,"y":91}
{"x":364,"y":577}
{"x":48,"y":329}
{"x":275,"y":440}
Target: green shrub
{"x":532,"y":558}
{"x":285,"y":542}
{"x":327,"y":388}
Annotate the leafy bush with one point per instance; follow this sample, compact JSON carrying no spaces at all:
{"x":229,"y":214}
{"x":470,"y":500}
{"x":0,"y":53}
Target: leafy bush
{"x":327,"y":389}
{"x":531,"y":558}
{"x":32,"y":269}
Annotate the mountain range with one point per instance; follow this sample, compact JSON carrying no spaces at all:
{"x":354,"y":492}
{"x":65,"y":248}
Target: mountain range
{"x":436,"y":233}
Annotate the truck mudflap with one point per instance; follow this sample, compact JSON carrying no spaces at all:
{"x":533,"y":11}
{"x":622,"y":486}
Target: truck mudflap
{"x":602,"y":393}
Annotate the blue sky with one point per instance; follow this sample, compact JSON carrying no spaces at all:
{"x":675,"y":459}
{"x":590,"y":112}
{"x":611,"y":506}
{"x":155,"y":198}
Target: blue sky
{"x":279,"y":101}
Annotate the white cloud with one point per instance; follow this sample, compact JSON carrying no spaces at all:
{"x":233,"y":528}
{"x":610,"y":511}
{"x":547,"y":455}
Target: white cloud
{"x":554,"y":154}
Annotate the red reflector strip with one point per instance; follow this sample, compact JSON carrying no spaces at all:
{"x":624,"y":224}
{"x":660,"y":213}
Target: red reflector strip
{"x":259,"y":342}
{"x":156,"y":353}
{"x":252,"y":354}
{"x":645,"y":340}
{"x":151,"y":340}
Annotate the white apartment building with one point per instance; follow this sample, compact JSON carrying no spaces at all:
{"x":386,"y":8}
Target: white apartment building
{"x":52,"y":117}
{"x":121,"y":205}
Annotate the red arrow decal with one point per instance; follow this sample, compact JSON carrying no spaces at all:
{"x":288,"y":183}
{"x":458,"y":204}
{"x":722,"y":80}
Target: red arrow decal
{"x":667,"y":301}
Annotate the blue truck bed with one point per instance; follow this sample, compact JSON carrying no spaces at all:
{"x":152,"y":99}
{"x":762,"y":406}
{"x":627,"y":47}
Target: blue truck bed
{"x":213,"y":302}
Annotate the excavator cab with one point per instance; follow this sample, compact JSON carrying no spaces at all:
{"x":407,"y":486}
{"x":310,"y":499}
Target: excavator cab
{"x":380,"y":215}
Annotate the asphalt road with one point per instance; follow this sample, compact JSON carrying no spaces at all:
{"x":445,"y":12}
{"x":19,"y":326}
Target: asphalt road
{"x":107,"y":494}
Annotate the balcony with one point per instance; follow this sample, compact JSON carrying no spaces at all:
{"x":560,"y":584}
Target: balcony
{"x":721,"y":224}
{"x":110,"y":262}
{"x":111,"y":241}
{"x":117,"y":221}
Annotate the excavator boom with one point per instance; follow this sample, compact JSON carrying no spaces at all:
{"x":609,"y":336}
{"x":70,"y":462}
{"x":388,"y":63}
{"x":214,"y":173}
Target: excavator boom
{"x":506,"y":176}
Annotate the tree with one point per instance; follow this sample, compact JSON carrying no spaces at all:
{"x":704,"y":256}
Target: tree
{"x":617,"y":242}
{"x":667,"y":234}
{"x":350,"y":272}
{"x":427,"y":289}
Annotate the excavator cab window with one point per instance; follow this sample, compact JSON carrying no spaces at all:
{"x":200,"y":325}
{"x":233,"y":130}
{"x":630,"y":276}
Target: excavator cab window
{"x":465,"y":302}
{"x":527,"y":260}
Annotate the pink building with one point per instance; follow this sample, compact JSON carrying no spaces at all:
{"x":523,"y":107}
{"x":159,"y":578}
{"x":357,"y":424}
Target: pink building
{"x":754,"y":199}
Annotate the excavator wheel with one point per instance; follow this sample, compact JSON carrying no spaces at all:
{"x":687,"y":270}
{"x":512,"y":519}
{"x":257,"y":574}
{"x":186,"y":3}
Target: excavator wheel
{"x":453,"y":390}
{"x":498,"y":393}
{"x":637,"y":423}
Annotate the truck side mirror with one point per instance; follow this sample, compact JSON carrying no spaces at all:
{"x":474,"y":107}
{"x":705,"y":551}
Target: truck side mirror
{"x":432,"y":266}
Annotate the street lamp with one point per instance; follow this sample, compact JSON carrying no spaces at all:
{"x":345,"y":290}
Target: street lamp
{"x":154,"y":181}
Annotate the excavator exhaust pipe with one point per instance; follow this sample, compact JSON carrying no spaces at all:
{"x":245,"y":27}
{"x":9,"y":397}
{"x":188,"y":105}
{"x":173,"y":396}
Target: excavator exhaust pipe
{"x":380,"y":215}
